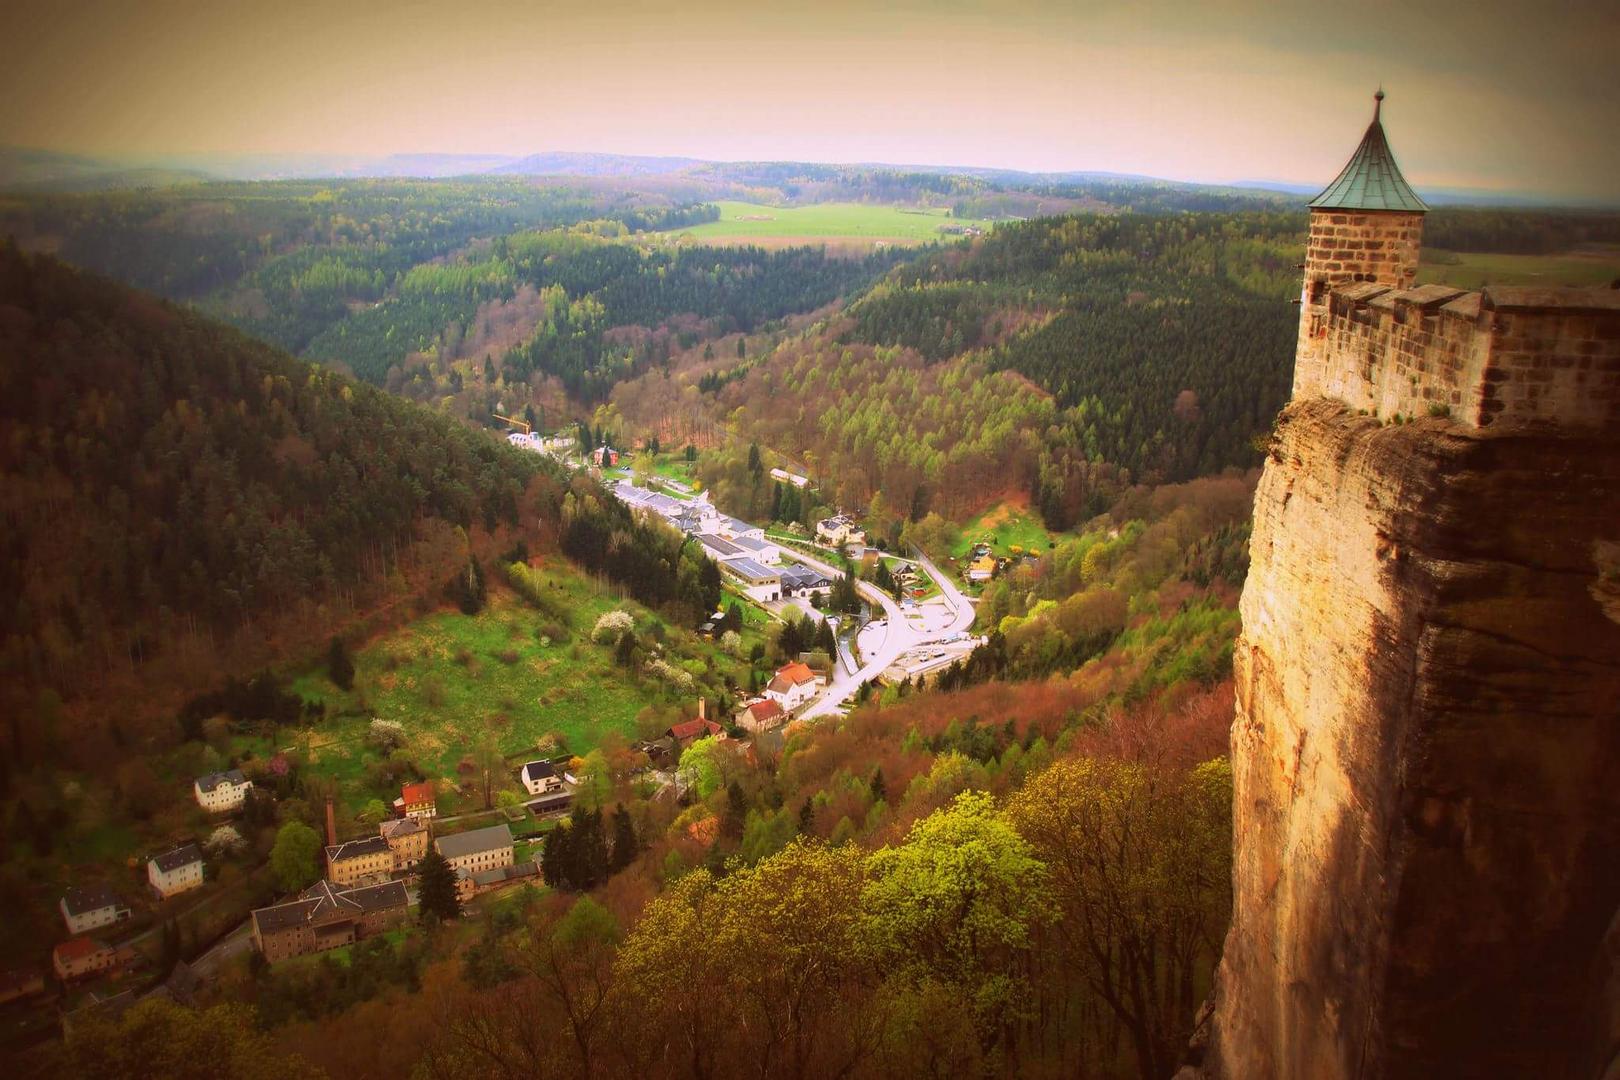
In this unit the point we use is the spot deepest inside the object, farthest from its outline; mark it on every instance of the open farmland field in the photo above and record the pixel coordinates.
(1472, 270)
(843, 223)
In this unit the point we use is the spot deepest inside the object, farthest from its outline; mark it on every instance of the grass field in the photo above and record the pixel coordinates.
(1004, 527)
(742, 223)
(1472, 270)
(447, 678)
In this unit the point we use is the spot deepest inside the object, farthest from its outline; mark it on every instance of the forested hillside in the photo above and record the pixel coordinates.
(286, 260)
(1063, 359)
(180, 498)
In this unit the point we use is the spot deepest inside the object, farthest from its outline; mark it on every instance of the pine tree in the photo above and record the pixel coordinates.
(436, 891)
(880, 787)
(339, 665)
(807, 818)
(742, 346)
(626, 846)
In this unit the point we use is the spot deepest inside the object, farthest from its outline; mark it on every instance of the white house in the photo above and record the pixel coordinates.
(792, 686)
(176, 871)
(477, 850)
(85, 908)
(841, 529)
(539, 777)
(759, 583)
(221, 791)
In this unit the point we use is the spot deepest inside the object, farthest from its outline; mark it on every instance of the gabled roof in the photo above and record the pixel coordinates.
(795, 674)
(184, 855)
(80, 899)
(397, 827)
(722, 547)
(323, 898)
(691, 729)
(475, 840)
(355, 849)
(539, 770)
(749, 570)
(233, 777)
(1371, 180)
(417, 793)
(79, 948)
(763, 711)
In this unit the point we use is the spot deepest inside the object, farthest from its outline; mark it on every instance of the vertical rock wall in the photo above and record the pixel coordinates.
(1426, 754)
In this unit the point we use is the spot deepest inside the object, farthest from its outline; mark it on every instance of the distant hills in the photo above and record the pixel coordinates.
(30, 170)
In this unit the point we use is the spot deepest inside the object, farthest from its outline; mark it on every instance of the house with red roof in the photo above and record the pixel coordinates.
(417, 801)
(793, 685)
(761, 715)
(79, 957)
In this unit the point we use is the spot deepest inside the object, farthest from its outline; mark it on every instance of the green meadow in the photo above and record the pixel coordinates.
(522, 675)
(1473, 270)
(1004, 527)
(741, 222)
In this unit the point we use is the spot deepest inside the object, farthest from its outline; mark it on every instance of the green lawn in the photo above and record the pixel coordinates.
(1472, 270)
(1004, 527)
(741, 221)
(448, 677)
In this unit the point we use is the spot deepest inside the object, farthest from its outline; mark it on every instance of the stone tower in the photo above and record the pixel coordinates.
(1426, 752)
(1366, 226)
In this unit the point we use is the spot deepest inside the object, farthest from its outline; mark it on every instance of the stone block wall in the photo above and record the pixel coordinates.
(1504, 357)
(1349, 248)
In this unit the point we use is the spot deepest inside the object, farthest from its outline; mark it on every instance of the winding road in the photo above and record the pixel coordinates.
(898, 637)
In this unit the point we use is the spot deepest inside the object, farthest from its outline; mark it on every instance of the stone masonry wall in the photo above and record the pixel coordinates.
(1504, 357)
(1349, 248)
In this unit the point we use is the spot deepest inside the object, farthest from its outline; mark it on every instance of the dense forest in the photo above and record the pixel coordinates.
(1061, 360)
(171, 487)
(575, 297)
(288, 260)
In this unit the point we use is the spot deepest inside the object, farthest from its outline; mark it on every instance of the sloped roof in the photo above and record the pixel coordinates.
(417, 793)
(398, 827)
(692, 728)
(79, 948)
(184, 855)
(232, 777)
(80, 899)
(749, 570)
(765, 710)
(355, 849)
(1371, 180)
(323, 898)
(796, 673)
(474, 841)
(538, 770)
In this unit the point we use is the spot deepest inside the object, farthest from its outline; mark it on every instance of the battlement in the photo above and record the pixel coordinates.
(1504, 357)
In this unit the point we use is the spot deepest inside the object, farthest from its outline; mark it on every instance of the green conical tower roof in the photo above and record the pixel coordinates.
(1371, 180)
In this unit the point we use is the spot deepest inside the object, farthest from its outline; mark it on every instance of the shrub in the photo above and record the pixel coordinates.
(386, 734)
(661, 669)
(611, 626)
(507, 656)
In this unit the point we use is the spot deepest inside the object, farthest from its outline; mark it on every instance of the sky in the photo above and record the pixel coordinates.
(1519, 96)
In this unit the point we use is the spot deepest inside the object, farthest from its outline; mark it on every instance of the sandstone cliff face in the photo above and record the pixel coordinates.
(1426, 755)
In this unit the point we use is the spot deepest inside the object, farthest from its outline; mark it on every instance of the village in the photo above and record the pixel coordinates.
(369, 883)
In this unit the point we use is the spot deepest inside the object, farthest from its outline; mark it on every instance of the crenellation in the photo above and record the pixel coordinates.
(1543, 357)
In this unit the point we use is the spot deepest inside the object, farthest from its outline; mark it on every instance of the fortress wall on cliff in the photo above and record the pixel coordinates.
(1502, 357)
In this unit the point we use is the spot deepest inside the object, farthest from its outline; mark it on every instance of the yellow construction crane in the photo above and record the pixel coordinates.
(524, 424)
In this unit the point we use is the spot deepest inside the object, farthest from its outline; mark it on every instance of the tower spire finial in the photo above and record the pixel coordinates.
(1378, 103)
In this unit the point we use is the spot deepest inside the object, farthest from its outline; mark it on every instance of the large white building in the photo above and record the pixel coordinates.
(540, 777)
(222, 791)
(86, 908)
(176, 871)
(792, 686)
(759, 583)
(477, 850)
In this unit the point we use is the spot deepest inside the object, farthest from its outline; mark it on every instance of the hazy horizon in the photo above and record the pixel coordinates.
(1488, 97)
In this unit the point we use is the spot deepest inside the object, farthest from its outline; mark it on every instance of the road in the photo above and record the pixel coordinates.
(898, 636)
